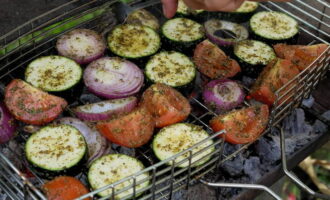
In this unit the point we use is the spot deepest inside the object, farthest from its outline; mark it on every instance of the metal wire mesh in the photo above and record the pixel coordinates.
(37, 37)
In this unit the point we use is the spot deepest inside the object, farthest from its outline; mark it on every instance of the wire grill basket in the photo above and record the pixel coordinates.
(38, 36)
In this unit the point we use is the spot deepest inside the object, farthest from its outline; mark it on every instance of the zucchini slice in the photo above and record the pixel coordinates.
(274, 26)
(133, 41)
(171, 68)
(178, 137)
(113, 167)
(182, 33)
(56, 148)
(143, 17)
(53, 73)
(253, 55)
(241, 14)
(183, 10)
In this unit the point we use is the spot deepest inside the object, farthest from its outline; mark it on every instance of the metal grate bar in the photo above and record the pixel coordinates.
(312, 8)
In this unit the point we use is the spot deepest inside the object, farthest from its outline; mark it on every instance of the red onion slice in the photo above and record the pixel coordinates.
(213, 25)
(105, 109)
(7, 124)
(81, 45)
(113, 77)
(97, 144)
(223, 94)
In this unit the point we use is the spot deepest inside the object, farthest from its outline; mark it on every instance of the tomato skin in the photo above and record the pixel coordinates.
(213, 62)
(166, 105)
(301, 55)
(242, 126)
(275, 75)
(64, 188)
(130, 130)
(32, 105)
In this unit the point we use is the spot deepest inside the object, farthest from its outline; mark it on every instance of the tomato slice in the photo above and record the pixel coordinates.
(213, 62)
(166, 105)
(64, 188)
(131, 130)
(32, 105)
(242, 126)
(301, 55)
(275, 75)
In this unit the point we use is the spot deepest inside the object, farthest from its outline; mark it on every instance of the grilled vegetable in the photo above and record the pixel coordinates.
(105, 109)
(213, 62)
(182, 34)
(32, 105)
(242, 126)
(133, 41)
(171, 68)
(112, 78)
(184, 11)
(253, 56)
(241, 14)
(53, 73)
(179, 137)
(274, 26)
(275, 75)
(64, 188)
(56, 150)
(223, 94)
(96, 143)
(81, 45)
(300, 55)
(112, 168)
(143, 17)
(7, 124)
(213, 26)
(131, 130)
(166, 105)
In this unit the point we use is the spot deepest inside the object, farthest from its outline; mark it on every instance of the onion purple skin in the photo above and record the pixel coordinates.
(217, 104)
(96, 143)
(219, 42)
(124, 105)
(64, 47)
(119, 90)
(8, 124)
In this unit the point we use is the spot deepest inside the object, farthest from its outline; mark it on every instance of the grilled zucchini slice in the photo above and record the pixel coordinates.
(113, 167)
(133, 41)
(178, 137)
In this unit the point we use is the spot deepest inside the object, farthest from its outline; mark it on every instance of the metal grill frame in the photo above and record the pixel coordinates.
(33, 39)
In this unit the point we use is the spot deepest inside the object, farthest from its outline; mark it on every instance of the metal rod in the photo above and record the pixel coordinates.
(291, 175)
(247, 186)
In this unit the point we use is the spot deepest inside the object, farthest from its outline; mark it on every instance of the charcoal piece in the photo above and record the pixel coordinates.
(230, 148)
(247, 81)
(201, 191)
(319, 127)
(252, 168)
(326, 115)
(123, 150)
(308, 102)
(235, 166)
(89, 98)
(295, 123)
(268, 150)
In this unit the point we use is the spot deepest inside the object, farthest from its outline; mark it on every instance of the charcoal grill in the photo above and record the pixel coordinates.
(38, 37)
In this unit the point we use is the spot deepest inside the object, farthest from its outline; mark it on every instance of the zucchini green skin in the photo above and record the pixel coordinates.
(241, 14)
(190, 128)
(236, 16)
(179, 45)
(90, 176)
(271, 40)
(72, 171)
(251, 69)
(185, 87)
(48, 173)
